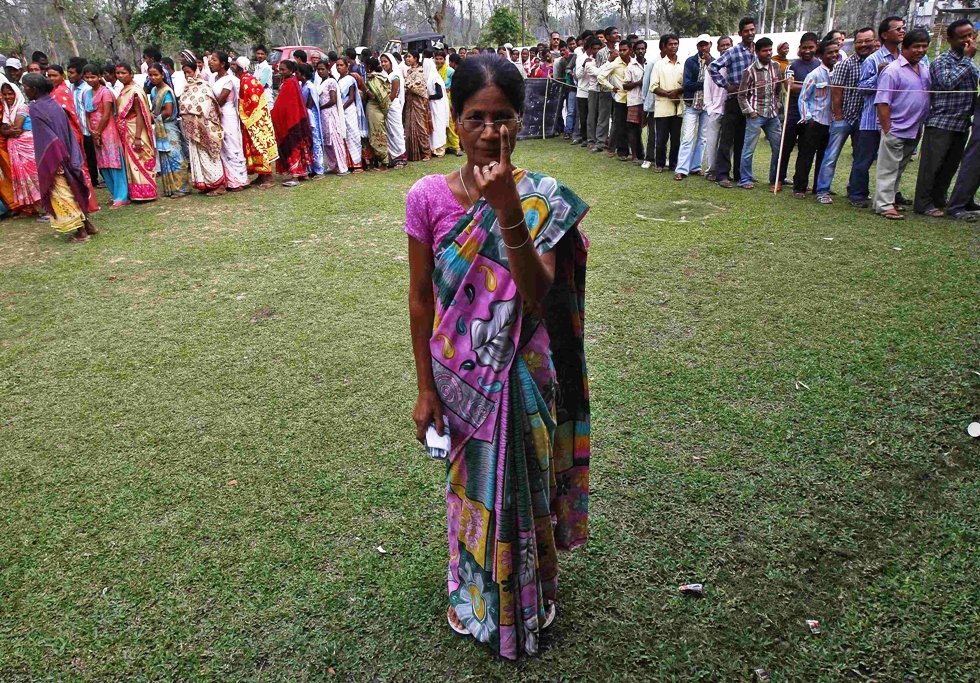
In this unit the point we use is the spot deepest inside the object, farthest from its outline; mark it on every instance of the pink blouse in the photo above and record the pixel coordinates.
(431, 210)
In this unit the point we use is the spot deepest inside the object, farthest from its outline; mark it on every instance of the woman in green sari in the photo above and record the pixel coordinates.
(166, 130)
(497, 285)
(378, 103)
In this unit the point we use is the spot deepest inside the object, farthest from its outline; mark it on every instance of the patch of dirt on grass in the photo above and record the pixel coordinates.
(27, 242)
(264, 313)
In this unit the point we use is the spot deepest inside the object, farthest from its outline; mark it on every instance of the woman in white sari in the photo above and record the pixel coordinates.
(438, 106)
(332, 122)
(351, 103)
(393, 121)
(225, 87)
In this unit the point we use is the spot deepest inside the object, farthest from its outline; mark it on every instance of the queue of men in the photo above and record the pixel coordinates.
(886, 97)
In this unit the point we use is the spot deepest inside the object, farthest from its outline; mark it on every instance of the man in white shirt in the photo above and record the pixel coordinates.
(714, 104)
(263, 73)
(581, 136)
(588, 74)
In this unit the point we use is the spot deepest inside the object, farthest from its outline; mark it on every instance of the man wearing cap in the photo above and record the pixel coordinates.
(695, 121)
(14, 69)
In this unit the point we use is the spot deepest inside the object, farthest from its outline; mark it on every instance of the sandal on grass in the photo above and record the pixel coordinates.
(549, 616)
(892, 215)
(825, 199)
(290, 183)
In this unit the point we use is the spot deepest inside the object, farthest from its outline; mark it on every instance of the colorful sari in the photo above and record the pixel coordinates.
(514, 389)
(377, 109)
(60, 165)
(108, 155)
(173, 166)
(293, 133)
(351, 96)
(311, 102)
(21, 150)
(6, 179)
(203, 132)
(64, 97)
(140, 164)
(418, 119)
(258, 135)
(333, 123)
(452, 140)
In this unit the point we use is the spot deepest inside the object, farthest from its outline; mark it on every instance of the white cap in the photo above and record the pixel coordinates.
(243, 62)
(703, 38)
(14, 63)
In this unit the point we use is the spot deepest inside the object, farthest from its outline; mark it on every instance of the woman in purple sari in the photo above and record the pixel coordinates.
(497, 279)
(60, 162)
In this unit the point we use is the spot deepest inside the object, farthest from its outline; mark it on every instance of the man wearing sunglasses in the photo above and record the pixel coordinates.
(891, 31)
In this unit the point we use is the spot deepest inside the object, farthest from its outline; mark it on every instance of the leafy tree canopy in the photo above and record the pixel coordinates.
(198, 25)
(692, 17)
(503, 26)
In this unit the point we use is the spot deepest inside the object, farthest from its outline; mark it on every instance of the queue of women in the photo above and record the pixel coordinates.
(147, 140)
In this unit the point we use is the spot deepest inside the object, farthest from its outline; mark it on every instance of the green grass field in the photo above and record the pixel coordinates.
(205, 434)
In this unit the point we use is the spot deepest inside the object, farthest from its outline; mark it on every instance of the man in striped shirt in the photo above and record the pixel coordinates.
(760, 100)
(726, 71)
(891, 31)
(814, 116)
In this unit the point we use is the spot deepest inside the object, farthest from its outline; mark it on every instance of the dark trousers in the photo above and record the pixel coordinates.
(651, 152)
(90, 160)
(731, 142)
(865, 150)
(634, 136)
(813, 143)
(668, 130)
(968, 180)
(582, 112)
(619, 141)
(792, 138)
(941, 153)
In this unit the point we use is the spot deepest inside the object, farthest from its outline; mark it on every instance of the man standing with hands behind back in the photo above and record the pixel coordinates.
(948, 125)
(735, 61)
(666, 82)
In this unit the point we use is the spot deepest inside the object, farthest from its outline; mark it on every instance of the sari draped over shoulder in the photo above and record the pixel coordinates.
(132, 105)
(418, 118)
(292, 125)
(258, 135)
(377, 109)
(201, 120)
(334, 126)
(514, 387)
(21, 152)
(166, 130)
(311, 102)
(59, 159)
(63, 96)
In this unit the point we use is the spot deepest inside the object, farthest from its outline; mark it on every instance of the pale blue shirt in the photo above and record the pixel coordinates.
(80, 93)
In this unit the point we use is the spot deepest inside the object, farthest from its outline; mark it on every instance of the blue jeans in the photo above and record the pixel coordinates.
(753, 128)
(570, 112)
(865, 151)
(839, 130)
(693, 131)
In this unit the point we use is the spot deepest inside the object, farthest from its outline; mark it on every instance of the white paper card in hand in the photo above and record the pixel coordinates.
(437, 444)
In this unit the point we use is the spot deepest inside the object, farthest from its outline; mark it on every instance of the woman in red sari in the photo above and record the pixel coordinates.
(258, 135)
(294, 137)
(62, 95)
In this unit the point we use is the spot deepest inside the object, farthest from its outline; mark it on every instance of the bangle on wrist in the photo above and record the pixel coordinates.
(521, 244)
(517, 225)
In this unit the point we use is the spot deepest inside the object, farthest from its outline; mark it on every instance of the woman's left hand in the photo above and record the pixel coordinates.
(496, 180)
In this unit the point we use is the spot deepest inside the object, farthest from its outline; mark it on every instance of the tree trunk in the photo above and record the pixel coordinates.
(59, 7)
(581, 10)
(338, 7)
(438, 18)
(785, 15)
(368, 26)
(543, 16)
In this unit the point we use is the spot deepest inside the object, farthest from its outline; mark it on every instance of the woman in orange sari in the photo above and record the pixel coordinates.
(135, 123)
(258, 135)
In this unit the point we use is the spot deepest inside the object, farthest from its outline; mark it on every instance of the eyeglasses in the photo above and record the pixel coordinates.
(477, 125)
(900, 29)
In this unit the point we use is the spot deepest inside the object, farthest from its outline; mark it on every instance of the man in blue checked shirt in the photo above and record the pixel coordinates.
(948, 125)
(891, 31)
(815, 114)
(734, 63)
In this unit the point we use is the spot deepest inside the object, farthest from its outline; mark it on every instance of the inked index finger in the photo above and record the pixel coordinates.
(504, 146)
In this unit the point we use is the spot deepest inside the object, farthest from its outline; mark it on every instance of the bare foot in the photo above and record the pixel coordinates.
(454, 619)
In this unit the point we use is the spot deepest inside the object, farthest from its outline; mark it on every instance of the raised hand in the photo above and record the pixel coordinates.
(496, 179)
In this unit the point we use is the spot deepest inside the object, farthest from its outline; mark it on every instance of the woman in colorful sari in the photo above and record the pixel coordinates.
(438, 108)
(225, 87)
(393, 121)
(105, 136)
(496, 297)
(294, 136)
(173, 166)
(418, 119)
(134, 121)
(16, 129)
(378, 103)
(258, 135)
(350, 99)
(63, 95)
(304, 74)
(202, 128)
(333, 123)
(59, 160)
(446, 74)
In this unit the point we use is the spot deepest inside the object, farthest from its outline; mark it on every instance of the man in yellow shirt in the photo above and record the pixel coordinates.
(611, 76)
(666, 83)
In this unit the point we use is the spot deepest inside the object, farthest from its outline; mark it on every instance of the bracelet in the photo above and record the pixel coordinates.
(513, 226)
(522, 243)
